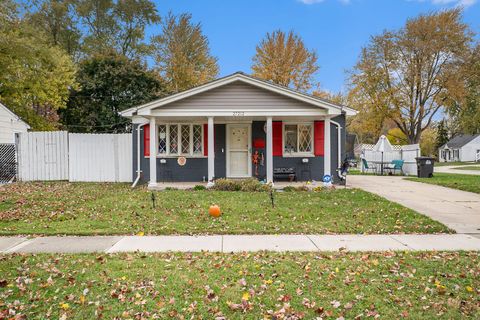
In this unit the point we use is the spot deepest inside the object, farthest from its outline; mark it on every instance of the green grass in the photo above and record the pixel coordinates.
(455, 163)
(468, 168)
(101, 208)
(422, 285)
(465, 182)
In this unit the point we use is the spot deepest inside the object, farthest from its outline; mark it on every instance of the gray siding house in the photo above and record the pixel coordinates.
(463, 147)
(237, 127)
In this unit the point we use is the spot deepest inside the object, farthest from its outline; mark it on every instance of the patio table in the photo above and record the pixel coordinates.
(382, 164)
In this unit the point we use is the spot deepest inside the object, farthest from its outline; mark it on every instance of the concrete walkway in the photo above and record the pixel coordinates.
(451, 169)
(459, 210)
(240, 243)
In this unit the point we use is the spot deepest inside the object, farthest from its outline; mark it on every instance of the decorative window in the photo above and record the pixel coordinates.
(162, 139)
(180, 139)
(298, 139)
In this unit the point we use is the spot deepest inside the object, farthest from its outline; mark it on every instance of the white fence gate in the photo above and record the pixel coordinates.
(100, 157)
(59, 155)
(43, 156)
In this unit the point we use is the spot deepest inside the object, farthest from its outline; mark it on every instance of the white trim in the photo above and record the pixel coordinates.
(269, 149)
(249, 149)
(327, 157)
(332, 108)
(246, 113)
(312, 141)
(153, 150)
(211, 149)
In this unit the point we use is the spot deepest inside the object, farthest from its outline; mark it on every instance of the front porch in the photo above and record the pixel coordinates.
(202, 149)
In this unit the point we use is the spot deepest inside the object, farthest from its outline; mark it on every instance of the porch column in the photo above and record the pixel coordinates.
(211, 151)
(153, 152)
(269, 150)
(327, 152)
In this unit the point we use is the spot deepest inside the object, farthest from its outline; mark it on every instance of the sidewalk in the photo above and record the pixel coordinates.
(239, 243)
(451, 169)
(458, 210)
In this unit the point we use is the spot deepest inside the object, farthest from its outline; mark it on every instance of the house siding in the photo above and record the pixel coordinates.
(196, 169)
(9, 125)
(237, 96)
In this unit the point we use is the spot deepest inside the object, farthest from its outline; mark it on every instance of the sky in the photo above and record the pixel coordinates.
(335, 29)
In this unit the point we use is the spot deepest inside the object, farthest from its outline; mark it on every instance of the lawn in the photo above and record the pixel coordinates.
(101, 208)
(465, 182)
(264, 285)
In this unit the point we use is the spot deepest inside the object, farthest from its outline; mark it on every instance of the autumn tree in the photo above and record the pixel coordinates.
(466, 111)
(284, 59)
(182, 53)
(35, 76)
(409, 74)
(108, 84)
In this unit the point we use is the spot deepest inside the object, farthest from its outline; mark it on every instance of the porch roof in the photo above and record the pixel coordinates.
(326, 107)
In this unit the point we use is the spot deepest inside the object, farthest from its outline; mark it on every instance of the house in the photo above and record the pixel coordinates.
(10, 124)
(463, 147)
(237, 126)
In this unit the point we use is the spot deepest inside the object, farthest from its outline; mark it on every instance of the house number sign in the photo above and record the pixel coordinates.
(238, 114)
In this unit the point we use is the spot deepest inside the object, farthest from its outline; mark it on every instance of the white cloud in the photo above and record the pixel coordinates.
(456, 3)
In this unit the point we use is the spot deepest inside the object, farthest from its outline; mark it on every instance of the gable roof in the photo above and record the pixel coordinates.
(460, 140)
(13, 115)
(242, 77)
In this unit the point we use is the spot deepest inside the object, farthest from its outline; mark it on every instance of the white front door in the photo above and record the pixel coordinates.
(238, 150)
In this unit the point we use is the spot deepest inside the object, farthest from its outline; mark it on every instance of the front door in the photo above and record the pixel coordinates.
(238, 151)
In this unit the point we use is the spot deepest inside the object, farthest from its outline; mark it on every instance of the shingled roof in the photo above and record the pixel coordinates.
(460, 140)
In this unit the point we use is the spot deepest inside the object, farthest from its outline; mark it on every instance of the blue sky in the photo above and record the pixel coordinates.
(336, 29)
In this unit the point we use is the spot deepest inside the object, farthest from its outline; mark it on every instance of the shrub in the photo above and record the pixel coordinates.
(289, 189)
(249, 185)
(199, 187)
(302, 188)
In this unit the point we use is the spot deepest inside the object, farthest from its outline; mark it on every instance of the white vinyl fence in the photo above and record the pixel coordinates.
(408, 153)
(100, 157)
(60, 155)
(43, 156)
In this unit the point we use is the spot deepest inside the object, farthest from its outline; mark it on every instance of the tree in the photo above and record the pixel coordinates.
(466, 112)
(182, 53)
(56, 18)
(35, 77)
(284, 59)
(410, 74)
(442, 134)
(109, 84)
(428, 142)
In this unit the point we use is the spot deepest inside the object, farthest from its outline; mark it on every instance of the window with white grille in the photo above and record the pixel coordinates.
(180, 139)
(298, 139)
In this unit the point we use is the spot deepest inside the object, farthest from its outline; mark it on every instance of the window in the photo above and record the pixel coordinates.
(180, 139)
(298, 139)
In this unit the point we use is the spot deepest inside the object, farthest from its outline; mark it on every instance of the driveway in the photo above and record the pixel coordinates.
(459, 210)
(451, 169)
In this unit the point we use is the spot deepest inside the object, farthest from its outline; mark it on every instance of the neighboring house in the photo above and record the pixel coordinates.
(237, 127)
(464, 147)
(10, 124)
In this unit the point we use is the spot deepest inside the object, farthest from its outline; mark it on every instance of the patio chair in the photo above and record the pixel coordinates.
(367, 167)
(396, 165)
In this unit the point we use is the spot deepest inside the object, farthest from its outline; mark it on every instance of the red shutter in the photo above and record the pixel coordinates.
(319, 138)
(277, 138)
(205, 139)
(146, 140)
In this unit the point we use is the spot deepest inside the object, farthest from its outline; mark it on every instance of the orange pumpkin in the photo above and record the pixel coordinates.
(214, 211)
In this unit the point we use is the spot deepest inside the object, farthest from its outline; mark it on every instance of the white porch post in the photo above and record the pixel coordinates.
(153, 152)
(211, 151)
(328, 155)
(269, 150)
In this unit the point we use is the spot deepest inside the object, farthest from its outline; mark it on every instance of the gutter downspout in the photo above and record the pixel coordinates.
(339, 128)
(139, 171)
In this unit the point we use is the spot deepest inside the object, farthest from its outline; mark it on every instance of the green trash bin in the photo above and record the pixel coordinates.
(425, 167)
